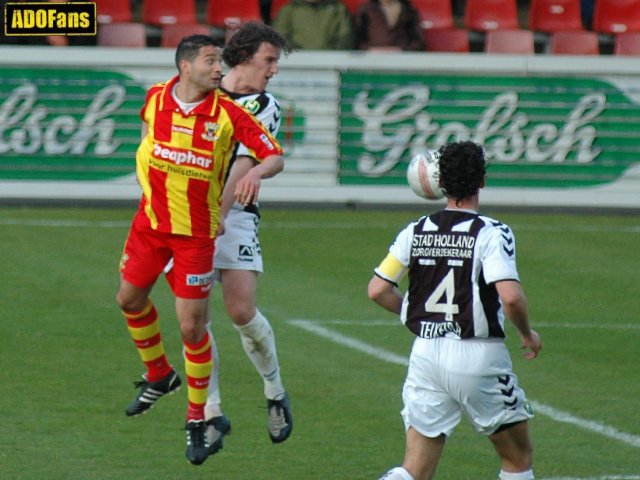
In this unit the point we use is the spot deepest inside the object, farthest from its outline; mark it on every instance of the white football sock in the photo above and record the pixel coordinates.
(212, 407)
(528, 475)
(259, 343)
(397, 473)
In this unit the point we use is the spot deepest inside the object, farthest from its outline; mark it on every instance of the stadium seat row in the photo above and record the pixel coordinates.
(609, 17)
(517, 41)
(172, 12)
(556, 23)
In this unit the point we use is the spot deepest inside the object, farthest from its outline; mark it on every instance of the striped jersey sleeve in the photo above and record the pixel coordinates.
(182, 163)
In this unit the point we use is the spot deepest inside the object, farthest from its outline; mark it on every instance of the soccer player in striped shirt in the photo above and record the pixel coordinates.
(463, 283)
(190, 130)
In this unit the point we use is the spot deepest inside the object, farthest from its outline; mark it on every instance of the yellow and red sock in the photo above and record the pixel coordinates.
(198, 363)
(144, 328)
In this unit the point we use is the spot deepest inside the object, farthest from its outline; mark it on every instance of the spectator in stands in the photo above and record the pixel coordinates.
(316, 25)
(265, 11)
(587, 8)
(388, 24)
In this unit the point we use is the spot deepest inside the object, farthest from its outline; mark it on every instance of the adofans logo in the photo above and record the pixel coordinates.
(50, 18)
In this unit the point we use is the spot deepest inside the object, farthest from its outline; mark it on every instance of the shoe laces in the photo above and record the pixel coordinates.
(140, 384)
(277, 420)
(196, 433)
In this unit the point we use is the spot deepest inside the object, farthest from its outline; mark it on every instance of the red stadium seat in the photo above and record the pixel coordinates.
(122, 35)
(446, 40)
(353, 5)
(434, 13)
(276, 5)
(486, 15)
(168, 12)
(218, 11)
(172, 34)
(114, 11)
(555, 15)
(616, 16)
(627, 43)
(519, 42)
(575, 42)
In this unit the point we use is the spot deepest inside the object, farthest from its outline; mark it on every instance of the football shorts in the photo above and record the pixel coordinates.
(239, 247)
(448, 378)
(147, 252)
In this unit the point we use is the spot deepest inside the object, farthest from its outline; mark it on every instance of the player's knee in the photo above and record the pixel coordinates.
(192, 333)
(130, 304)
(241, 314)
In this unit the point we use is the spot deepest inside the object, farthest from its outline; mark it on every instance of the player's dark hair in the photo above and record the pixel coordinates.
(247, 40)
(462, 169)
(189, 47)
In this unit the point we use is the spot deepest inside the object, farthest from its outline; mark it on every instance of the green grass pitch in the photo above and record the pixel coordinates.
(67, 362)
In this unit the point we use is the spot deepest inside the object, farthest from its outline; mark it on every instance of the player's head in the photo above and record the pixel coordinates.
(247, 40)
(189, 47)
(199, 63)
(462, 169)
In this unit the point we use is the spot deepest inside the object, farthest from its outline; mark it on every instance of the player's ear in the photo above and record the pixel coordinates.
(184, 65)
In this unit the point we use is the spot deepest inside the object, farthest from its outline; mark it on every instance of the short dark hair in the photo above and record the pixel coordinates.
(462, 169)
(189, 47)
(247, 40)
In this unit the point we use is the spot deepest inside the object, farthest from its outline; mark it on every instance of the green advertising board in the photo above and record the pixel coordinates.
(68, 124)
(81, 124)
(537, 131)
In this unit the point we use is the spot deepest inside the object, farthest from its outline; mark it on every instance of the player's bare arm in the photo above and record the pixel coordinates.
(385, 294)
(248, 187)
(515, 307)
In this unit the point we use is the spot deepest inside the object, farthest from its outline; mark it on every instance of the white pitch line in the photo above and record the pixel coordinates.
(574, 326)
(596, 427)
(356, 344)
(381, 354)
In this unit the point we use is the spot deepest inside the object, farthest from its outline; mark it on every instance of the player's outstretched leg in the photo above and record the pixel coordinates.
(259, 344)
(160, 378)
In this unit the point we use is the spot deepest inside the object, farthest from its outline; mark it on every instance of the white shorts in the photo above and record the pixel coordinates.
(448, 377)
(239, 247)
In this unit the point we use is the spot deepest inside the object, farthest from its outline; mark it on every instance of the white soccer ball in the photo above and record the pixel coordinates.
(423, 175)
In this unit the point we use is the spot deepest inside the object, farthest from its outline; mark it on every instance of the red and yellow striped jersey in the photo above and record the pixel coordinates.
(181, 164)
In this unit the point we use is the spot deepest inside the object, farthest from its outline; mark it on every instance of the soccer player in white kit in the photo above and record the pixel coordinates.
(463, 283)
(252, 55)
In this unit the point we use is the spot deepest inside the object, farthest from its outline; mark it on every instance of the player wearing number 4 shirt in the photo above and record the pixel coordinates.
(463, 283)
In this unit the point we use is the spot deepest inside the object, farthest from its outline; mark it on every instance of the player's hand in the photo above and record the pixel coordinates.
(248, 188)
(531, 345)
(220, 230)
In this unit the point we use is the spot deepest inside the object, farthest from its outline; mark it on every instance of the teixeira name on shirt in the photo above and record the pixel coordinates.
(35, 18)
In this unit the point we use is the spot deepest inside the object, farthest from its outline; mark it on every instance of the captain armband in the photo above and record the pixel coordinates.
(391, 269)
